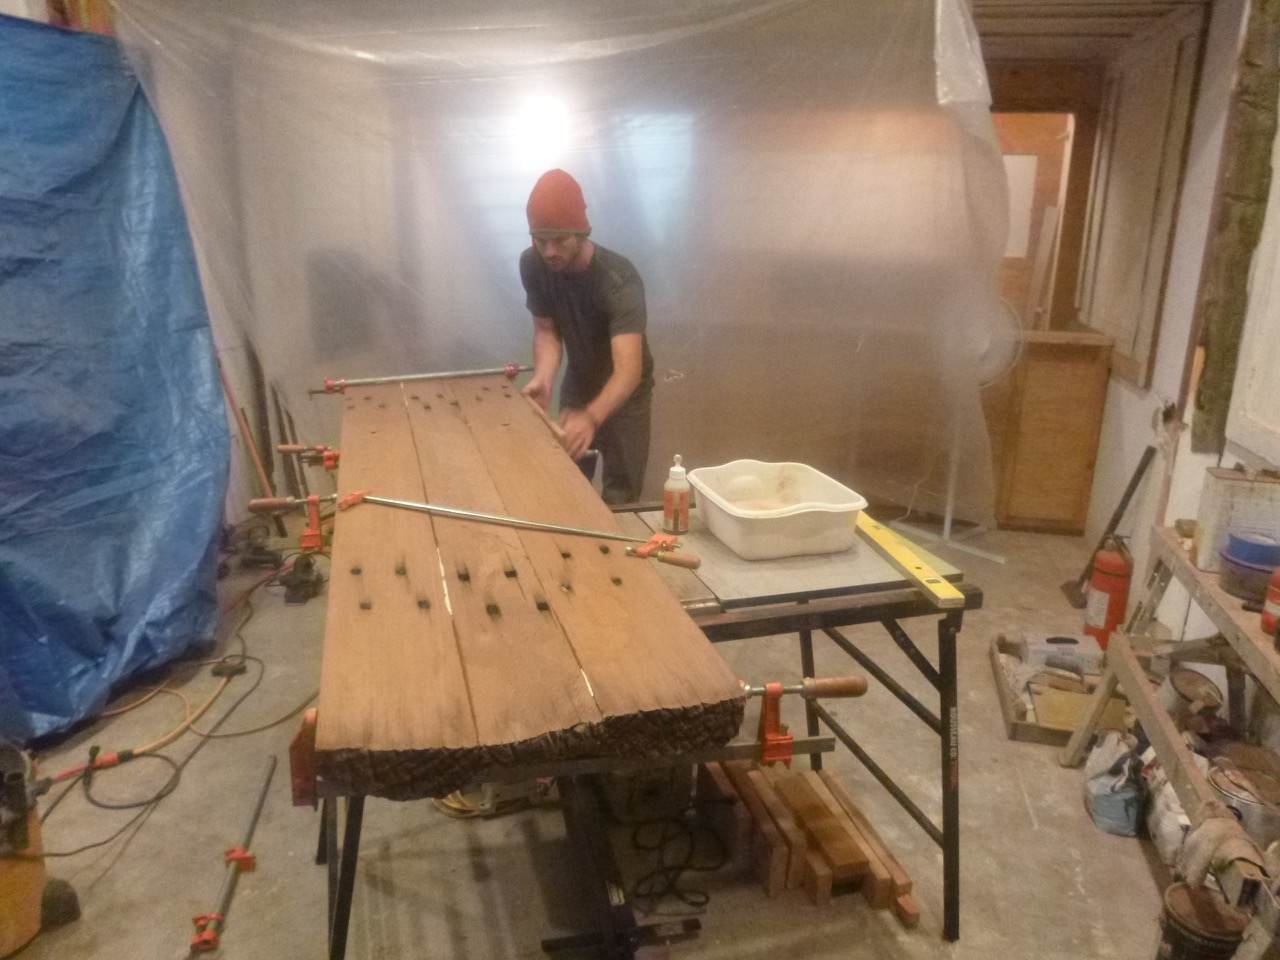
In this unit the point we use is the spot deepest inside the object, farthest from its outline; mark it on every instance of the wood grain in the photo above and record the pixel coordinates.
(453, 646)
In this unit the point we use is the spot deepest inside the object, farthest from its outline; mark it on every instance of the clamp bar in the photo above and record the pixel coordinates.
(340, 386)
(660, 546)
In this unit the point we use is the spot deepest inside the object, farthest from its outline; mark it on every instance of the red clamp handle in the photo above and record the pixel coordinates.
(659, 543)
(509, 370)
(242, 858)
(351, 499)
(335, 386)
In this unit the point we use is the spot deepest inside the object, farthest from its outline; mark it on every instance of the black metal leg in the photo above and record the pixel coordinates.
(330, 858)
(810, 714)
(948, 628)
(346, 880)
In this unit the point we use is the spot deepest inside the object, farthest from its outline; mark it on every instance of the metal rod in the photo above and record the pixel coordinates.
(890, 684)
(501, 520)
(876, 771)
(948, 627)
(233, 867)
(905, 644)
(333, 386)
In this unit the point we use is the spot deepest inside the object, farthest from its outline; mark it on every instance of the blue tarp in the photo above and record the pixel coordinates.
(113, 437)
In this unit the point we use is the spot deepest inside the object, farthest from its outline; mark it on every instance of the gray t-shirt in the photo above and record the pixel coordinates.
(588, 309)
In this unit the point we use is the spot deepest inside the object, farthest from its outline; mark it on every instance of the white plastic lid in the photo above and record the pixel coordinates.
(677, 471)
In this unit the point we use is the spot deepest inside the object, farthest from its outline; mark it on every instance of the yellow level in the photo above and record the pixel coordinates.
(897, 551)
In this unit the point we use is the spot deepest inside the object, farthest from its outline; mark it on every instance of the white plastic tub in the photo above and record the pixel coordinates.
(761, 511)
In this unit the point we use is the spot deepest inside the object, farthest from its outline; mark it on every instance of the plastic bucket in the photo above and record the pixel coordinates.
(1199, 924)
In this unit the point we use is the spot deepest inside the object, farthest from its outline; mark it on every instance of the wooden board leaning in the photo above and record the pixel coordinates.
(453, 647)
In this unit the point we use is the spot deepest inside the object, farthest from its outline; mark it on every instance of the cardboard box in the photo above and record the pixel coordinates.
(1232, 501)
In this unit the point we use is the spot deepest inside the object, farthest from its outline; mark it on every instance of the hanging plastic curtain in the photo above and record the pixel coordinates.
(810, 189)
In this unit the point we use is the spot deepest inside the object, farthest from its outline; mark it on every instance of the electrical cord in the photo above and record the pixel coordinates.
(681, 846)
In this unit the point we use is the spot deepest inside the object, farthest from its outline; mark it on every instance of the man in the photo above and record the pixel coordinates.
(588, 302)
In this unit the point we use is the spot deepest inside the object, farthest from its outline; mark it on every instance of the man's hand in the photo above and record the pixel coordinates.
(579, 430)
(539, 391)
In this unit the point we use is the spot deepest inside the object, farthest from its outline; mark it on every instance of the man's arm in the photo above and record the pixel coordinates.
(580, 425)
(547, 350)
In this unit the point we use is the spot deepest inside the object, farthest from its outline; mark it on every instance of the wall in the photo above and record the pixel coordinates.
(29, 9)
(1133, 418)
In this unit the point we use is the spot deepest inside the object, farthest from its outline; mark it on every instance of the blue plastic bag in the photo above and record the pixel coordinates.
(113, 437)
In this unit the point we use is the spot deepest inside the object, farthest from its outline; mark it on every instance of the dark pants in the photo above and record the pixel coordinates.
(623, 442)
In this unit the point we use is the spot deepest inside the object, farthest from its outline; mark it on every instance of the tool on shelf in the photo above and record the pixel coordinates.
(660, 547)
(508, 370)
(238, 860)
(775, 739)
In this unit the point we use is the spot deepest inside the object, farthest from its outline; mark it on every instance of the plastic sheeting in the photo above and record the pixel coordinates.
(113, 438)
(811, 190)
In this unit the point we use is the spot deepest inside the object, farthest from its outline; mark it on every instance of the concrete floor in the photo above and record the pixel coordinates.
(1038, 880)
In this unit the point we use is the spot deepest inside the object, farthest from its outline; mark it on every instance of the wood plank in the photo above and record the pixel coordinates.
(518, 691)
(901, 882)
(378, 636)
(817, 878)
(877, 885)
(797, 848)
(828, 834)
(769, 851)
(459, 647)
(906, 910)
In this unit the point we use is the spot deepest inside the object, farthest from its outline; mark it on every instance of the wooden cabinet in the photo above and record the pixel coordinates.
(1044, 419)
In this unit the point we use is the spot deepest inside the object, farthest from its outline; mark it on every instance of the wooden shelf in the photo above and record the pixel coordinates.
(1242, 629)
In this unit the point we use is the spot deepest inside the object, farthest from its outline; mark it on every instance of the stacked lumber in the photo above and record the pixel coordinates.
(453, 649)
(792, 829)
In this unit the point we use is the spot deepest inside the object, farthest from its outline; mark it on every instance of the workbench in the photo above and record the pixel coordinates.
(398, 738)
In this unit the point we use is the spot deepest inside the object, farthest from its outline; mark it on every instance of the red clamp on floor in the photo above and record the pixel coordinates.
(206, 939)
(242, 858)
(658, 543)
(351, 499)
(775, 738)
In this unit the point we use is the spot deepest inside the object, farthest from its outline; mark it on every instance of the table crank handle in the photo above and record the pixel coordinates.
(850, 686)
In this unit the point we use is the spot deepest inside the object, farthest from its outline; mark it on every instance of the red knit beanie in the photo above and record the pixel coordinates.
(556, 205)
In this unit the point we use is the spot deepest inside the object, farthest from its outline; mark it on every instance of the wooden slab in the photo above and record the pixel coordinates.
(797, 848)
(842, 795)
(877, 885)
(829, 835)
(454, 647)
(768, 850)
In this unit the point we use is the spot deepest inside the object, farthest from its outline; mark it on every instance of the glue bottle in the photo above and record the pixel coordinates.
(675, 500)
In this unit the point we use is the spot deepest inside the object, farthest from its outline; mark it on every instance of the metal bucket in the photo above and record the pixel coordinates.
(1260, 819)
(1199, 924)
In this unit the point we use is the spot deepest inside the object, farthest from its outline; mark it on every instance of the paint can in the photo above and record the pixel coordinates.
(1198, 924)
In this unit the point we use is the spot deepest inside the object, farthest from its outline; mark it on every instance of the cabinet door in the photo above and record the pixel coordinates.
(1050, 432)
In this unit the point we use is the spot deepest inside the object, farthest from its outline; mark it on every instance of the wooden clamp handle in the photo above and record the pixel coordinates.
(689, 562)
(850, 686)
(556, 429)
(271, 504)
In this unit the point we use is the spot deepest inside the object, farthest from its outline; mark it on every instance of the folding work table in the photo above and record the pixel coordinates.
(732, 599)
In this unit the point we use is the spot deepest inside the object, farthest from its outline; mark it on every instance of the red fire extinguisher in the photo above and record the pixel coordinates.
(1108, 593)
